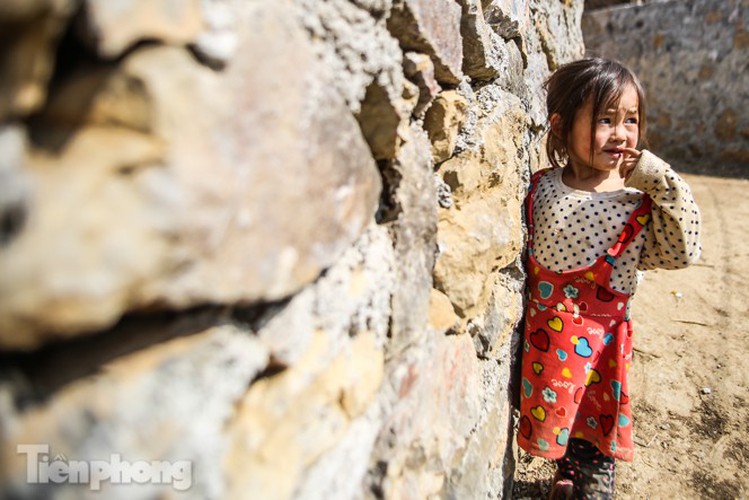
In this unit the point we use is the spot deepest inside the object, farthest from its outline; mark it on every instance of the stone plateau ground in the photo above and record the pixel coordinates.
(689, 378)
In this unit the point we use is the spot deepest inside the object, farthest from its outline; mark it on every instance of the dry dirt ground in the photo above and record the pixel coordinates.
(690, 375)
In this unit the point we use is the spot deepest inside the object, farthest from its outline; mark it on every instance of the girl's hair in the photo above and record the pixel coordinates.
(570, 86)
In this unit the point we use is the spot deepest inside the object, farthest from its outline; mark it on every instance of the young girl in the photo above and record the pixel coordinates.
(603, 214)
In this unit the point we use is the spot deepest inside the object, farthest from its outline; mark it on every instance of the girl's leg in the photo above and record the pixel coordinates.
(591, 471)
(561, 485)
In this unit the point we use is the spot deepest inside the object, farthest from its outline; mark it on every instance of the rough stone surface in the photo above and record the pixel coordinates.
(105, 227)
(688, 56)
(277, 241)
(285, 422)
(355, 46)
(431, 27)
(414, 234)
(419, 447)
(354, 295)
(219, 165)
(492, 330)
(482, 232)
(484, 469)
(380, 122)
(509, 18)
(419, 69)
(479, 54)
(554, 21)
(151, 389)
(443, 121)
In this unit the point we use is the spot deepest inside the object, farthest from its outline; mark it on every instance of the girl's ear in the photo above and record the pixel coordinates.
(556, 125)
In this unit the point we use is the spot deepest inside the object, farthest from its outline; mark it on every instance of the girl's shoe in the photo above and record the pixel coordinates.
(561, 488)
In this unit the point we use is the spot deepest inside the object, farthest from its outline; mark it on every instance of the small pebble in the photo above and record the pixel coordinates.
(706, 390)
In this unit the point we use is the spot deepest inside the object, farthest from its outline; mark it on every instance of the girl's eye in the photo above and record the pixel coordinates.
(604, 121)
(631, 120)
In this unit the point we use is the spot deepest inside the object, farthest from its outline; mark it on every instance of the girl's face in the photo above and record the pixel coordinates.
(616, 128)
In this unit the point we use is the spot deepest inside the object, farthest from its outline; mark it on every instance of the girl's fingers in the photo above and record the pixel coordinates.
(632, 152)
(631, 156)
(627, 166)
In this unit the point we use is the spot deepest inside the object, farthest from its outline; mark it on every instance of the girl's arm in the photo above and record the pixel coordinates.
(672, 239)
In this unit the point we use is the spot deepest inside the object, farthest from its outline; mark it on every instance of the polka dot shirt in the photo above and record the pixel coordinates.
(573, 228)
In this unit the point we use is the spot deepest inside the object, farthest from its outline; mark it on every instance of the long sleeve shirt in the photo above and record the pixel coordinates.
(573, 227)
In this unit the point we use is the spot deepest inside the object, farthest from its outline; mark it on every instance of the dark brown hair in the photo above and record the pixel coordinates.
(570, 86)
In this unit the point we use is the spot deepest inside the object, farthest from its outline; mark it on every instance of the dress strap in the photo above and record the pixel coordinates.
(529, 204)
(637, 220)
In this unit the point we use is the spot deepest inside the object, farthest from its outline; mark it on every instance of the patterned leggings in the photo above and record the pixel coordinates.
(591, 472)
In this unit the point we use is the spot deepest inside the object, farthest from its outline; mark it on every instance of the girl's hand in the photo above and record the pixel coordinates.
(631, 157)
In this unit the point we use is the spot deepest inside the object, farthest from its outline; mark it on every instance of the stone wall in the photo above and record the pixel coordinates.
(692, 59)
(275, 240)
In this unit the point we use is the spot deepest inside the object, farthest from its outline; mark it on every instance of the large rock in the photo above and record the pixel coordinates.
(480, 60)
(438, 390)
(442, 123)
(431, 27)
(558, 26)
(353, 43)
(492, 330)
(483, 232)
(109, 221)
(486, 468)
(509, 19)
(295, 394)
(414, 235)
(320, 414)
(169, 401)
(285, 422)
(204, 208)
(353, 295)
(380, 120)
(419, 68)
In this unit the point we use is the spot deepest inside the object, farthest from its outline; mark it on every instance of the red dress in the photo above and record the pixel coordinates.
(577, 350)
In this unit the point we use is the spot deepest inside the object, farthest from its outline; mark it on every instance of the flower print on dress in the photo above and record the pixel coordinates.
(592, 422)
(571, 292)
(550, 396)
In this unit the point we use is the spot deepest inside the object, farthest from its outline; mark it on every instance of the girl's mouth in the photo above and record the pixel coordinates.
(614, 152)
